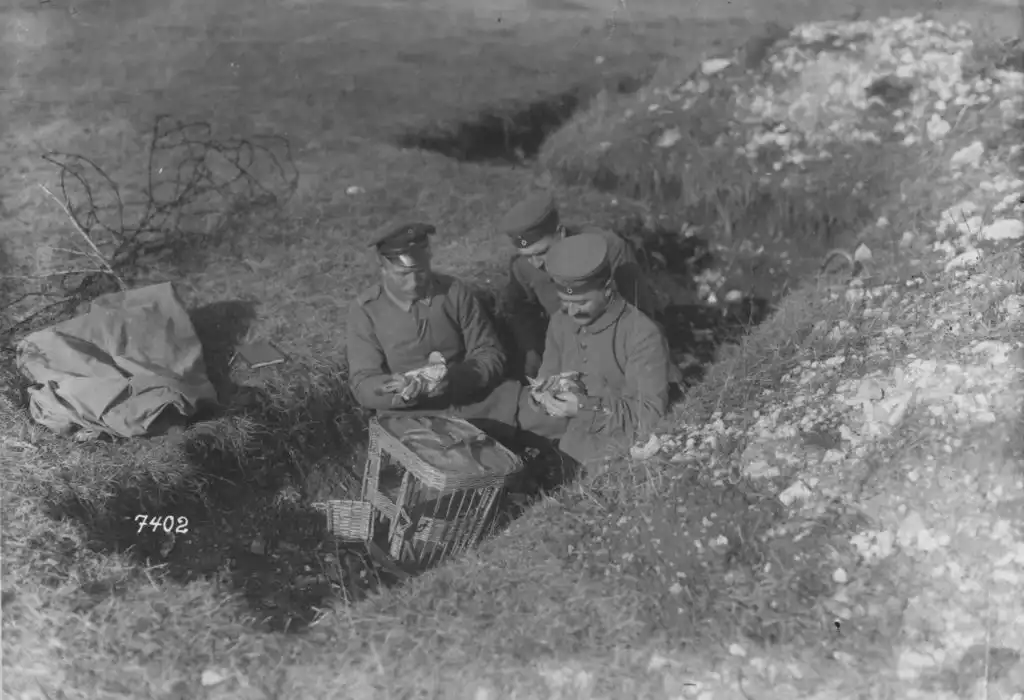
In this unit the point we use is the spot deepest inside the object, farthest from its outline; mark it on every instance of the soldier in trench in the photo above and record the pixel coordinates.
(531, 299)
(395, 326)
(620, 354)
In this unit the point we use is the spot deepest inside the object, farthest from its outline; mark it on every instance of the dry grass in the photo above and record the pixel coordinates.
(97, 623)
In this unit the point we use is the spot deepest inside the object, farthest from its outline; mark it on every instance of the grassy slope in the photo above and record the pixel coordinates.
(518, 588)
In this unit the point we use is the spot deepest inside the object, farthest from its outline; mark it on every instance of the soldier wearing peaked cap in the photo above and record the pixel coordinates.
(411, 313)
(531, 298)
(620, 352)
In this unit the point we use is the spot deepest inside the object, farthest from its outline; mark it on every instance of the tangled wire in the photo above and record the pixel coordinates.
(195, 185)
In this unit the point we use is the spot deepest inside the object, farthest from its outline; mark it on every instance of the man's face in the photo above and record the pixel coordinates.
(587, 307)
(408, 283)
(538, 252)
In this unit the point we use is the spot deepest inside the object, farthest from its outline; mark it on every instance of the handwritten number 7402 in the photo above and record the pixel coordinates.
(168, 523)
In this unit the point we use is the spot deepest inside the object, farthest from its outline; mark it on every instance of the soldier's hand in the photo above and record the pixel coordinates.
(394, 385)
(399, 401)
(564, 405)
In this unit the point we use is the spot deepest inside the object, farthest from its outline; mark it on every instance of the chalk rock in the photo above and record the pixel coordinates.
(714, 65)
(937, 128)
(798, 491)
(214, 676)
(646, 450)
(964, 260)
(968, 155)
(1003, 230)
(862, 254)
(669, 138)
(1013, 306)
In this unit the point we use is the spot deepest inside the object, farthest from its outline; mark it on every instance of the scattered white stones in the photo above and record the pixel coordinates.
(913, 533)
(874, 545)
(1003, 230)
(816, 98)
(829, 423)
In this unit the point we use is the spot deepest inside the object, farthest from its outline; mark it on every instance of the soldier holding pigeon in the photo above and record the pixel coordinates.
(605, 368)
(419, 340)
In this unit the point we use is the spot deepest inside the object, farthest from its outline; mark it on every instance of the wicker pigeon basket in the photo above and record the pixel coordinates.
(449, 475)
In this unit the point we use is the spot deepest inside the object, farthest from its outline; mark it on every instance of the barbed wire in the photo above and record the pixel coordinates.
(194, 185)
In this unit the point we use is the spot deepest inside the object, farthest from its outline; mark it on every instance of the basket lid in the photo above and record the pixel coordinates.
(451, 446)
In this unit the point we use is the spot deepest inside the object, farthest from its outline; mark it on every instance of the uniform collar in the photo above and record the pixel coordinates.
(611, 314)
(407, 305)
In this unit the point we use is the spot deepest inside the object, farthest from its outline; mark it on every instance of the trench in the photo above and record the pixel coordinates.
(514, 134)
(251, 523)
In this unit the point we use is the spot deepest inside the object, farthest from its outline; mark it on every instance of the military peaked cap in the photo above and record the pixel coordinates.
(531, 220)
(398, 239)
(579, 263)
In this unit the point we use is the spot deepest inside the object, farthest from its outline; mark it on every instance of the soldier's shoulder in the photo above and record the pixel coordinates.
(453, 289)
(369, 294)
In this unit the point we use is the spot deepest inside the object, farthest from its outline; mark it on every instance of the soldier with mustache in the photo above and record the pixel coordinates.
(620, 353)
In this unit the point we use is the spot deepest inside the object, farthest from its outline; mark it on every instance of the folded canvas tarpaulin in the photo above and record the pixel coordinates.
(119, 367)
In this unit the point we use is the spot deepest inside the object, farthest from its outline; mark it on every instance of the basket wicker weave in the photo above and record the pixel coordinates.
(450, 476)
(349, 521)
